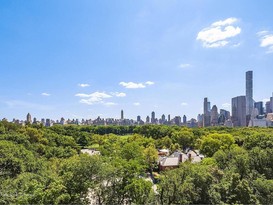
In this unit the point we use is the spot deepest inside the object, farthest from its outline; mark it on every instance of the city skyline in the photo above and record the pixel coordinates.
(89, 59)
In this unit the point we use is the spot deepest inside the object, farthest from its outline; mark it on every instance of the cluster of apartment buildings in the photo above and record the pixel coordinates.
(244, 112)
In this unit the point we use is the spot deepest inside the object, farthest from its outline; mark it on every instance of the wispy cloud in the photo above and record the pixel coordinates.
(266, 40)
(132, 85)
(45, 94)
(90, 99)
(117, 94)
(108, 104)
(136, 104)
(219, 33)
(184, 104)
(83, 85)
(99, 98)
(226, 105)
(185, 65)
(266, 100)
(149, 83)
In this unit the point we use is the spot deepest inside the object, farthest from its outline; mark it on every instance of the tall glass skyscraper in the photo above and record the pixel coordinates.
(238, 106)
(249, 92)
(206, 116)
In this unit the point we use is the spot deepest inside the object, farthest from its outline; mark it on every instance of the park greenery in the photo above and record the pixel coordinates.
(40, 165)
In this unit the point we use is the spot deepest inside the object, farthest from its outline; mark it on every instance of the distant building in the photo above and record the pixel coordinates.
(169, 118)
(184, 120)
(138, 118)
(271, 103)
(177, 120)
(249, 95)
(259, 107)
(200, 120)
(214, 116)
(147, 120)
(268, 107)
(121, 115)
(223, 116)
(206, 115)
(153, 121)
(48, 123)
(29, 118)
(238, 106)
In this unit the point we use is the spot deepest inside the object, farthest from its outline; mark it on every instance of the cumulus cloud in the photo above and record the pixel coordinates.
(90, 99)
(45, 94)
(184, 65)
(266, 40)
(266, 100)
(184, 104)
(117, 94)
(83, 85)
(226, 105)
(149, 83)
(99, 98)
(219, 33)
(108, 104)
(132, 85)
(136, 104)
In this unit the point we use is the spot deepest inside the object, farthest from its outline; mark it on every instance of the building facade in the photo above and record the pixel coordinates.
(206, 115)
(249, 92)
(238, 107)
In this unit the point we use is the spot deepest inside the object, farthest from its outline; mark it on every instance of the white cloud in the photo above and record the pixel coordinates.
(219, 33)
(226, 105)
(184, 104)
(98, 98)
(132, 85)
(45, 94)
(149, 83)
(228, 21)
(136, 104)
(266, 40)
(185, 65)
(265, 100)
(117, 94)
(108, 104)
(83, 85)
(90, 99)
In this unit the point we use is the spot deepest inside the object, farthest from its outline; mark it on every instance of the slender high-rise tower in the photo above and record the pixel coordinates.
(249, 92)
(214, 116)
(29, 118)
(238, 106)
(206, 116)
(121, 115)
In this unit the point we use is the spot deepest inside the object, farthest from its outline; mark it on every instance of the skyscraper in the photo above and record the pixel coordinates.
(184, 119)
(147, 119)
(206, 116)
(271, 103)
(121, 115)
(153, 117)
(259, 107)
(214, 116)
(267, 107)
(29, 118)
(249, 92)
(238, 106)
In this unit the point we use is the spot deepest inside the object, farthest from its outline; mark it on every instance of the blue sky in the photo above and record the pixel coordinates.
(81, 59)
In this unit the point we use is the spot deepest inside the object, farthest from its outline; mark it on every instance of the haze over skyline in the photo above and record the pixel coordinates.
(82, 59)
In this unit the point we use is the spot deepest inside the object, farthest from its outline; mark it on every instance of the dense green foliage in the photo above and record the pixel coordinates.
(41, 165)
